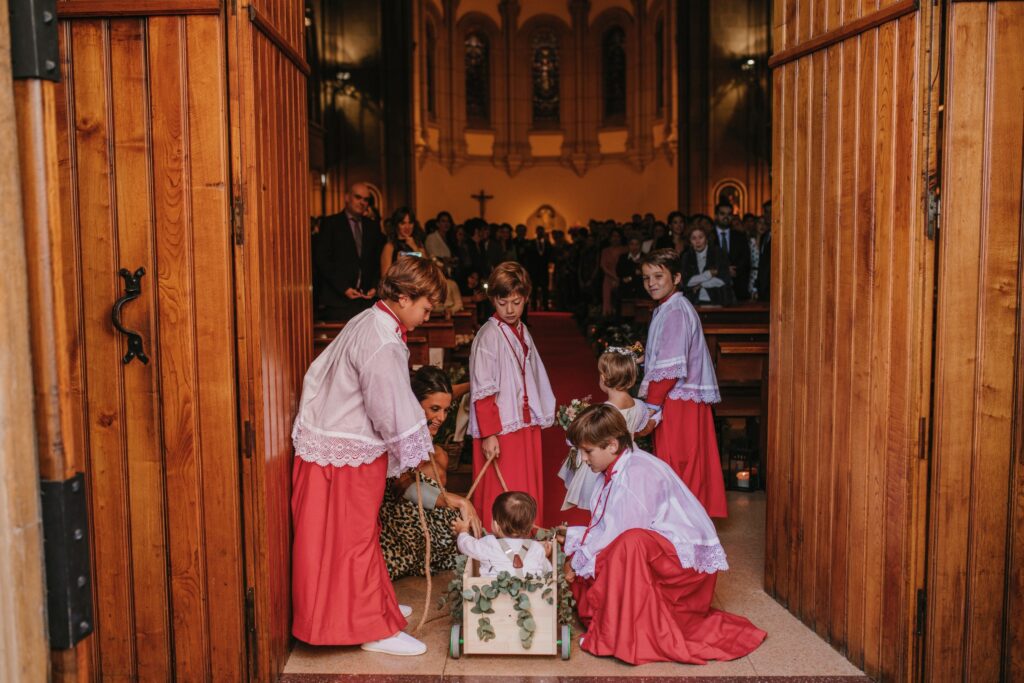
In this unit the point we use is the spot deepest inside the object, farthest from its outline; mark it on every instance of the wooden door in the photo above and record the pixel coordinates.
(851, 323)
(274, 301)
(975, 630)
(145, 183)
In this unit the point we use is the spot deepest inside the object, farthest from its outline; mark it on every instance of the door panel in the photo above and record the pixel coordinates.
(851, 325)
(145, 182)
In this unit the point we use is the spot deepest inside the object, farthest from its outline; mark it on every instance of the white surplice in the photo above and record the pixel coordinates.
(639, 491)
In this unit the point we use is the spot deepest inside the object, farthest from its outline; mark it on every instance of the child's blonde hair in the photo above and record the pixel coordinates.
(618, 369)
(515, 511)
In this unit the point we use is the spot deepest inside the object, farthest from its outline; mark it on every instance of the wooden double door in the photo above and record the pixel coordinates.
(180, 137)
(896, 493)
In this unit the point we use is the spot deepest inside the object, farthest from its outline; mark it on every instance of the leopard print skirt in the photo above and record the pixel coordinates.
(401, 537)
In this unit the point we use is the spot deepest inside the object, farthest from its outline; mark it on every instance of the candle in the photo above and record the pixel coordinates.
(743, 479)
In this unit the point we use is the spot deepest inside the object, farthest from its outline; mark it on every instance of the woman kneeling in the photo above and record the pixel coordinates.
(643, 572)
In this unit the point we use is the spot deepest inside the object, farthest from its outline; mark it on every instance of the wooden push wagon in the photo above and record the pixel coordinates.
(504, 634)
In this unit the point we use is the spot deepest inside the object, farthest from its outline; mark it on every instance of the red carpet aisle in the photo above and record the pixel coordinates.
(572, 368)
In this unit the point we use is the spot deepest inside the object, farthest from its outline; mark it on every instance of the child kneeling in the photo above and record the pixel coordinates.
(510, 548)
(644, 571)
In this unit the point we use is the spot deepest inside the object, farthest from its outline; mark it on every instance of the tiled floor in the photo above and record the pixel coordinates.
(791, 649)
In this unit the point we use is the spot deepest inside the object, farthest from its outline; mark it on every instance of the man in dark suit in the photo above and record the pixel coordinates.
(736, 246)
(764, 268)
(346, 258)
(537, 259)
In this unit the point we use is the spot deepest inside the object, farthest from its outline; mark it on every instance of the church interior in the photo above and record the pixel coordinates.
(203, 198)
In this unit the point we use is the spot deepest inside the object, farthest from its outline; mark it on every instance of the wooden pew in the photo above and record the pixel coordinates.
(325, 332)
(440, 333)
(465, 322)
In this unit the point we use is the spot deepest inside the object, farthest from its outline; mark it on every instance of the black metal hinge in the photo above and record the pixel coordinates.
(248, 439)
(250, 631)
(34, 50)
(66, 548)
(934, 213)
(922, 611)
(238, 217)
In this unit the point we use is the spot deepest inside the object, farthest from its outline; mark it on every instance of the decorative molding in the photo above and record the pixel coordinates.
(265, 26)
(108, 9)
(844, 32)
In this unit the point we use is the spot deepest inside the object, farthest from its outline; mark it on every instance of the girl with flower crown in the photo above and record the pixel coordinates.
(617, 373)
(679, 377)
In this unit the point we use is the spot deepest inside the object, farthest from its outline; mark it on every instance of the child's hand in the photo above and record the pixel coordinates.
(648, 428)
(490, 447)
(570, 575)
(460, 526)
(560, 534)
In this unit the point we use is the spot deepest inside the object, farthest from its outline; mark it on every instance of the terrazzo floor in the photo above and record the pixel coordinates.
(791, 652)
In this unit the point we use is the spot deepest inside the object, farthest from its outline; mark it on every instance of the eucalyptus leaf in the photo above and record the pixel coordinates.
(468, 595)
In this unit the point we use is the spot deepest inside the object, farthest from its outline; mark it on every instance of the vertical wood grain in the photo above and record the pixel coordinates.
(978, 340)
(845, 393)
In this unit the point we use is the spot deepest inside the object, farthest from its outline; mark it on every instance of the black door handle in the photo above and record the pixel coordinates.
(132, 290)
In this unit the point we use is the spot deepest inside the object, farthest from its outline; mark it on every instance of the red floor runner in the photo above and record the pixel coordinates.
(572, 369)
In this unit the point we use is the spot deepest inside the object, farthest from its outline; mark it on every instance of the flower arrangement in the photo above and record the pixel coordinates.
(567, 413)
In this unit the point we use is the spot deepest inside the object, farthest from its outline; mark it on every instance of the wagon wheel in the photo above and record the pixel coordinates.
(455, 647)
(565, 641)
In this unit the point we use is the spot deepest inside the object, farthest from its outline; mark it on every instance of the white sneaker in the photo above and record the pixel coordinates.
(401, 644)
(406, 610)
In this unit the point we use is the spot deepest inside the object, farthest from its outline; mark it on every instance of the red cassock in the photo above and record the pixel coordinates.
(641, 606)
(686, 440)
(341, 592)
(520, 461)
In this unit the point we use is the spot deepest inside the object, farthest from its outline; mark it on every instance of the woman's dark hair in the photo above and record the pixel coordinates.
(430, 380)
(397, 217)
(673, 214)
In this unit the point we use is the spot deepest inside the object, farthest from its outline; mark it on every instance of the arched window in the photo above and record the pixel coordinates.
(431, 61)
(613, 75)
(478, 79)
(545, 75)
(659, 66)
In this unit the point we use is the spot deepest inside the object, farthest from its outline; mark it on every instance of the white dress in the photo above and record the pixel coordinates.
(639, 491)
(581, 481)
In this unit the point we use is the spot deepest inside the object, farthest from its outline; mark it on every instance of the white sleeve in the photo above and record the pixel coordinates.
(475, 548)
(483, 367)
(393, 410)
(625, 511)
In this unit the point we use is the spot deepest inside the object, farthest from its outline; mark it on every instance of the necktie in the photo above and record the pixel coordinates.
(723, 237)
(357, 234)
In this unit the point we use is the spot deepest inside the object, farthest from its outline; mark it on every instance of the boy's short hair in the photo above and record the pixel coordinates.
(509, 278)
(599, 424)
(666, 258)
(414, 277)
(618, 369)
(515, 511)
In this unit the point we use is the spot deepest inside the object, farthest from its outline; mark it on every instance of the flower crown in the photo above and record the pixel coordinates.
(636, 350)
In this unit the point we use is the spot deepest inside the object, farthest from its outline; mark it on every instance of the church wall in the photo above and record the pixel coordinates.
(611, 190)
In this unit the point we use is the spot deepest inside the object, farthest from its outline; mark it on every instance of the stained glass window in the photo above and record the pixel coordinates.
(659, 66)
(431, 94)
(478, 79)
(613, 75)
(545, 76)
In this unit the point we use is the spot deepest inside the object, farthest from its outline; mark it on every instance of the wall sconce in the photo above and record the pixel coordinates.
(748, 64)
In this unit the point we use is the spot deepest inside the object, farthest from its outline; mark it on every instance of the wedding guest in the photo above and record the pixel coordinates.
(346, 258)
(644, 571)
(677, 230)
(511, 395)
(662, 238)
(609, 260)
(680, 377)
(736, 248)
(705, 272)
(763, 287)
(358, 423)
(628, 270)
(404, 238)
(537, 261)
(436, 243)
(401, 537)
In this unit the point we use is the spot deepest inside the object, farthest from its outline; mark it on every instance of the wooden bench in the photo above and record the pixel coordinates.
(440, 333)
(325, 332)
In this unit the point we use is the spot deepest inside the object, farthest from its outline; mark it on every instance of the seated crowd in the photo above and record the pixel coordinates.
(724, 259)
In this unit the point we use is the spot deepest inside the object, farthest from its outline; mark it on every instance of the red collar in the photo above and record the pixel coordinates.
(516, 330)
(665, 300)
(401, 329)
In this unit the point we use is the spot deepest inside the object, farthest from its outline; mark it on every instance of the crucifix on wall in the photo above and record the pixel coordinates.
(482, 197)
